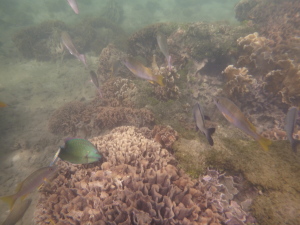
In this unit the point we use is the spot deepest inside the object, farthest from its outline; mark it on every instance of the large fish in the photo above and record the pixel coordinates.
(200, 123)
(163, 46)
(79, 151)
(17, 212)
(290, 122)
(95, 81)
(73, 5)
(234, 115)
(67, 41)
(139, 70)
(32, 182)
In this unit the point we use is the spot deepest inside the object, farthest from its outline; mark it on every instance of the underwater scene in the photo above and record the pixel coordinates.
(135, 112)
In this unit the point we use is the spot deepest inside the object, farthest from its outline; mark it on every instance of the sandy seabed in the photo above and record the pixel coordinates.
(34, 90)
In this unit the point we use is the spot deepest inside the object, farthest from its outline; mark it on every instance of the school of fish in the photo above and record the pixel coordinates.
(81, 151)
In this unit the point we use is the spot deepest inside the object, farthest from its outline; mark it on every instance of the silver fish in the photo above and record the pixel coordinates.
(17, 212)
(163, 46)
(200, 123)
(95, 81)
(290, 122)
(67, 41)
(73, 5)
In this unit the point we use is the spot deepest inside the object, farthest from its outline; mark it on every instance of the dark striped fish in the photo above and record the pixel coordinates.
(200, 123)
(289, 127)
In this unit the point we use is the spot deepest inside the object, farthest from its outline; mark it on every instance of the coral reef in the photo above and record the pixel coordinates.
(272, 56)
(239, 82)
(276, 20)
(270, 176)
(79, 119)
(110, 62)
(170, 90)
(110, 117)
(40, 42)
(138, 184)
(165, 135)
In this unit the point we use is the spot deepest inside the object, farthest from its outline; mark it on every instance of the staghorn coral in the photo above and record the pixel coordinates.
(138, 184)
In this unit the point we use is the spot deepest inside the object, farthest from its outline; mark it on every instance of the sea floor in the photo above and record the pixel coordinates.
(33, 91)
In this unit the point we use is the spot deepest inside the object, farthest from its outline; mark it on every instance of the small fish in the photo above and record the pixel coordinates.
(139, 70)
(79, 151)
(2, 104)
(32, 182)
(73, 5)
(67, 41)
(290, 122)
(95, 81)
(200, 124)
(17, 212)
(234, 115)
(163, 46)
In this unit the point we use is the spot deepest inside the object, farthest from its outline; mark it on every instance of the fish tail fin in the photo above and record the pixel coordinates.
(82, 58)
(160, 80)
(169, 62)
(210, 132)
(295, 144)
(10, 200)
(264, 143)
(100, 93)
